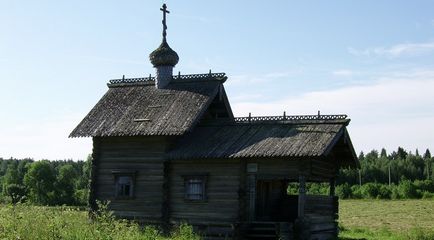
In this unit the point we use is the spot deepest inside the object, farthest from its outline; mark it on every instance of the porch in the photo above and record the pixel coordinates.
(273, 214)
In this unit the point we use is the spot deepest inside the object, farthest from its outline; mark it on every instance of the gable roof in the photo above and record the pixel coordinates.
(289, 139)
(134, 107)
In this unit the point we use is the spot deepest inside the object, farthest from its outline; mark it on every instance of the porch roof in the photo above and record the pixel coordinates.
(295, 139)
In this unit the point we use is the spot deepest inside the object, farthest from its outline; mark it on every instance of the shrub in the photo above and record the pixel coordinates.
(427, 195)
(343, 191)
(384, 192)
(356, 192)
(370, 190)
(407, 189)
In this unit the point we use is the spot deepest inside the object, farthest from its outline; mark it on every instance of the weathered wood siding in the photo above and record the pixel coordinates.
(324, 168)
(278, 168)
(322, 212)
(222, 191)
(144, 155)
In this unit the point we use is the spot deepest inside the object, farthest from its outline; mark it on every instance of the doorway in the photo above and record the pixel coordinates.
(269, 195)
(273, 203)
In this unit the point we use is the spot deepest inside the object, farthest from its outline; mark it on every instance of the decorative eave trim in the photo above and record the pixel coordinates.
(221, 77)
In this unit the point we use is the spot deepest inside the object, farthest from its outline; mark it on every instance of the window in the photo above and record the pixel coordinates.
(124, 186)
(195, 188)
(124, 183)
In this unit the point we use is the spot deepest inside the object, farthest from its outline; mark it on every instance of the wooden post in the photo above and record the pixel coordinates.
(332, 187)
(301, 196)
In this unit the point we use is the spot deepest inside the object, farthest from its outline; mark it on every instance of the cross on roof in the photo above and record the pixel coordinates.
(164, 9)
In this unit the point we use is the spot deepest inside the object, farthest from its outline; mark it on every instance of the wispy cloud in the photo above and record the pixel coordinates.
(262, 78)
(405, 49)
(394, 111)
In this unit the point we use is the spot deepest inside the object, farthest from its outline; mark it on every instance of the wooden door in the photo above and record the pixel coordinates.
(268, 198)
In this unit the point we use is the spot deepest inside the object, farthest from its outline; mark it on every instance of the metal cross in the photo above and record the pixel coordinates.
(164, 9)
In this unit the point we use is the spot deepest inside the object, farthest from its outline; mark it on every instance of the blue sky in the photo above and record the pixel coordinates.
(372, 60)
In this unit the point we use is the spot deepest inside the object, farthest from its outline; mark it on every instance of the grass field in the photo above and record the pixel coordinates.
(386, 219)
(359, 219)
(24, 222)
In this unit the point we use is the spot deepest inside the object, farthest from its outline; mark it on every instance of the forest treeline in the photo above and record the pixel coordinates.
(395, 175)
(61, 182)
(400, 174)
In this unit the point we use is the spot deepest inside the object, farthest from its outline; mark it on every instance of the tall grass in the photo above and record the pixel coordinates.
(35, 222)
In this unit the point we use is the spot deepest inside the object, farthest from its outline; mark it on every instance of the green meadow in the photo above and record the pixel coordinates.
(386, 219)
(359, 219)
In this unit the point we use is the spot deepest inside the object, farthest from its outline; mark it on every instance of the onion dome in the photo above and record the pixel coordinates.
(164, 55)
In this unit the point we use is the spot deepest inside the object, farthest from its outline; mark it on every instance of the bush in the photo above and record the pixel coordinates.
(427, 195)
(407, 189)
(356, 192)
(384, 192)
(370, 190)
(343, 191)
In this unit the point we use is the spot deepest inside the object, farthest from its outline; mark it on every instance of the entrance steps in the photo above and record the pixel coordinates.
(268, 231)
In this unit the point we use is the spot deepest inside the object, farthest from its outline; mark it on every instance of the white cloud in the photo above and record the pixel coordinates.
(397, 110)
(406, 49)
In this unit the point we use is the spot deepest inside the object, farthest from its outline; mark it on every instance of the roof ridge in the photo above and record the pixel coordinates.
(176, 79)
(291, 118)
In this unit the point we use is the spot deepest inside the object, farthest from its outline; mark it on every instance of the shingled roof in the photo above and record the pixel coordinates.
(289, 139)
(134, 107)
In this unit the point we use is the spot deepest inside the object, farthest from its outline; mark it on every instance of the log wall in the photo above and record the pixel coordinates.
(145, 157)
(222, 192)
(278, 169)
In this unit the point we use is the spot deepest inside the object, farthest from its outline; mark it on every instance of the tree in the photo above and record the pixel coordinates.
(11, 175)
(402, 154)
(383, 153)
(427, 154)
(65, 185)
(16, 192)
(361, 156)
(372, 156)
(39, 180)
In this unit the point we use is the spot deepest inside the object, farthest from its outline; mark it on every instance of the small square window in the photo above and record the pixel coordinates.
(124, 183)
(124, 186)
(195, 188)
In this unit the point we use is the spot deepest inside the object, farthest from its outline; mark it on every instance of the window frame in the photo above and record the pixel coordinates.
(117, 174)
(204, 182)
